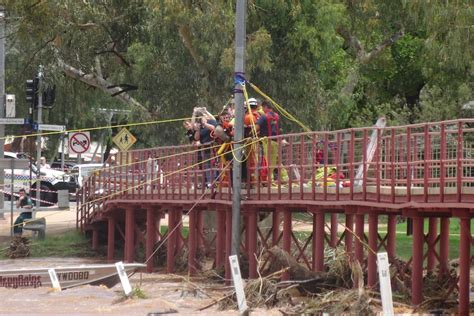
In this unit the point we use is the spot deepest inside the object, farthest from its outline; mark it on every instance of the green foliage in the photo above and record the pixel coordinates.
(303, 53)
(137, 292)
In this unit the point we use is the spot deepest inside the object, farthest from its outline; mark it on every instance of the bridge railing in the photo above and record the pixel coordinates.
(427, 163)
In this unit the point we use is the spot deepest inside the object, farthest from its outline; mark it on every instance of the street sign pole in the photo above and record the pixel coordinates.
(38, 138)
(63, 138)
(2, 102)
(12, 200)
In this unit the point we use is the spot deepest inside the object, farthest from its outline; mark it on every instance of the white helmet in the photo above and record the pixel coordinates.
(253, 102)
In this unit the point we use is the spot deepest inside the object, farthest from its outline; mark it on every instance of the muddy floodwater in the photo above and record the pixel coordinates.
(165, 295)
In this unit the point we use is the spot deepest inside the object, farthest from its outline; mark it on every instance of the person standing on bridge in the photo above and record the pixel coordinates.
(24, 202)
(268, 126)
(206, 124)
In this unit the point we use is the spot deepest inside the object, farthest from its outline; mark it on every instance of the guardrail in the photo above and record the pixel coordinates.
(422, 163)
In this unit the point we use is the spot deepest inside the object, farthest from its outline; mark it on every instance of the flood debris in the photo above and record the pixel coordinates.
(261, 292)
(269, 292)
(339, 289)
(19, 247)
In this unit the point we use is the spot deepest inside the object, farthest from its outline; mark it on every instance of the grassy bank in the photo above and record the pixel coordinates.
(69, 244)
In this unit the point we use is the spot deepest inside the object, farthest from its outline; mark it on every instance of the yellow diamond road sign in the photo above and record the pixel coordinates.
(124, 139)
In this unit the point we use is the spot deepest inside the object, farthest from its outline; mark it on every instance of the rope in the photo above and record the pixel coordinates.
(99, 127)
(164, 176)
(155, 159)
(280, 108)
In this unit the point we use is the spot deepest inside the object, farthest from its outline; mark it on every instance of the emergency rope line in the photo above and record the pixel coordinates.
(141, 184)
(154, 159)
(115, 193)
(172, 155)
(107, 126)
(280, 108)
(169, 233)
(98, 128)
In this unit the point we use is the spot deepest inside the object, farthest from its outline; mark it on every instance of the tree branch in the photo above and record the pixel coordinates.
(361, 56)
(185, 34)
(380, 48)
(102, 84)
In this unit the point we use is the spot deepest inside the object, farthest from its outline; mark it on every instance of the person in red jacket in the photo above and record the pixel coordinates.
(268, 126)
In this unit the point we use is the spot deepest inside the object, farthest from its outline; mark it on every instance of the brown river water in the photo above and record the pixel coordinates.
(165, 295)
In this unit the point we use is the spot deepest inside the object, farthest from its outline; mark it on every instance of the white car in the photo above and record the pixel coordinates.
(81, 172)
(50, 181)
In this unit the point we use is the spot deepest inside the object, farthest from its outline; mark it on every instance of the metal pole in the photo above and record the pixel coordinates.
(63, 138)
(38, 138)
(2, 105)
(12, 200)
(239, 123)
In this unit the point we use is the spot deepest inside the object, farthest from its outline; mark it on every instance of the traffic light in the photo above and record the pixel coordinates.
(32, 91)
(48, 97)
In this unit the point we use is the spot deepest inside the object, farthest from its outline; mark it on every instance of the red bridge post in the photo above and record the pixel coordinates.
(228, 244)
(444, 246)
(95, 239)
(432, 237)
(276, 226)
(372, 256)
(110, 238)
(349, 234)
(417, 264)
(129, 234)
(286, 236)
(464, 264)
(171, 244)
(318, 240)
(150, 237)
(252, 242)
(334, 226)
(359, 231)
(192, 241)
(220, 238)
(392, 235)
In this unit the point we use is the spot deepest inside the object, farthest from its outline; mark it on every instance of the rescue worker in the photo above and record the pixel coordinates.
(268, 126)
(249, 152)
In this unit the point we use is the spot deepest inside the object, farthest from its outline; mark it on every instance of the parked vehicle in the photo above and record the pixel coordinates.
(80, 172)
(50, 180)
(67, 166)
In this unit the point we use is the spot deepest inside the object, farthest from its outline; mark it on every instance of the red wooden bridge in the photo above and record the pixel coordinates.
(421, 171)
